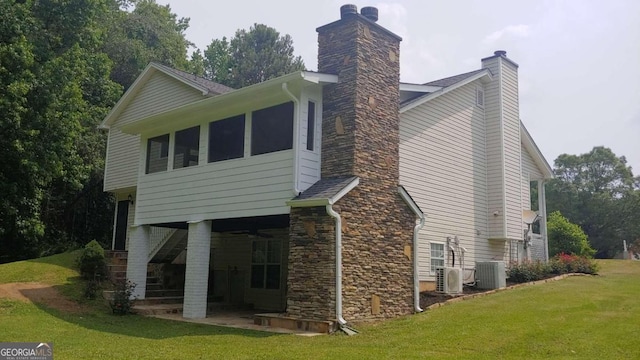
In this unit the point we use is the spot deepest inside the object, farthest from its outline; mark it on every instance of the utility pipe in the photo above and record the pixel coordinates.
(296, 111)
(338, 220)
(416, 281)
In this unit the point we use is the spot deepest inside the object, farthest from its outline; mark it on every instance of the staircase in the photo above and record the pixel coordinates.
(170, 247)
(158, 300)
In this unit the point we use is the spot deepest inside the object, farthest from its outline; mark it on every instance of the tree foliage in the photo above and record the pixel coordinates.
(249, 57)
(149, 32)
(566, 237)
(598, 191)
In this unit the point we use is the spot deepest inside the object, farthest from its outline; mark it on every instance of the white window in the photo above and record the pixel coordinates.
(437, 256)
(265, 264)
(480, 97)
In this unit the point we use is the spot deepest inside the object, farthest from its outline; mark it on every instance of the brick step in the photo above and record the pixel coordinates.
(117, 261)
(155, 293)
(156, 286)
(117, 267)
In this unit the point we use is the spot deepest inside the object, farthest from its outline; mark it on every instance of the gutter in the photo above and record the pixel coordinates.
(336, 216)
(416, 281)
(296, 162)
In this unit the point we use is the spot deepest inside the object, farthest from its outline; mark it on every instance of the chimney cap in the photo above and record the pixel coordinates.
(348, 10)
(500, 53)
(370, 13)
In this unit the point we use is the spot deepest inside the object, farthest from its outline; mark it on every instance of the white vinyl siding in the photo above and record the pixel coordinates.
(494, 155)
(254, 186)
(443, 167)
(512, 146)
(309, 161)
(160, 93)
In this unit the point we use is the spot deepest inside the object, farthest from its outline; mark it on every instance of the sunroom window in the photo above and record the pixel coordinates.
(226, 139)
(157, 154)
(311, 125)
(187, 148)
(272, 129)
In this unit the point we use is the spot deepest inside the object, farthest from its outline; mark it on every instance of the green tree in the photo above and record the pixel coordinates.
(149, 32)
(598, 191)
(566, 237)
(250, 57)
(54, 89)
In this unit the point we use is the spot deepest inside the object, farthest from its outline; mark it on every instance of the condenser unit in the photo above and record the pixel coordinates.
(490, 275)
(449, 280)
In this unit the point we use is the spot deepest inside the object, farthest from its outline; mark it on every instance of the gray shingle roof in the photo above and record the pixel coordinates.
(325, 188)
(454, 79)
(213, 87)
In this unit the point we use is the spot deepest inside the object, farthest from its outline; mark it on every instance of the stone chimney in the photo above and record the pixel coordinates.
(360, 113)
(360, 138)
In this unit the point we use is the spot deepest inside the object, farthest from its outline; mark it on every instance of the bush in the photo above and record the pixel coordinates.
(92, 263)
(559, 264)
(567, 237)
(528, 271)
(121, 302)
(91, 289)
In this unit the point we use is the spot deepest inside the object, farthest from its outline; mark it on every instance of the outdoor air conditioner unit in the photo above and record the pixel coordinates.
(449, 280)
(490, 275)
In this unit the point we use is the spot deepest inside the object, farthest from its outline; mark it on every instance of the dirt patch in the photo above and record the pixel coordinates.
(40, 294)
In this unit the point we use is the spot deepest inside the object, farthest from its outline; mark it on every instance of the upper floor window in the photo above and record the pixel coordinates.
(272, 129)
(157, 154)
(311, 125)
(226, 139)
(187, 147)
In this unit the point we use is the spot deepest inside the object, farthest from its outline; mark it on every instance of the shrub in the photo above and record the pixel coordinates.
(528, 271)
(92, 263)
(122, 302)
(569, 263)
(559, 264)
(91, 289)
(567, 237)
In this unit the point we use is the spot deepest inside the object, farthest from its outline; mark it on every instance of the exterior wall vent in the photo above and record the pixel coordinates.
(480, 97)
(491, 275)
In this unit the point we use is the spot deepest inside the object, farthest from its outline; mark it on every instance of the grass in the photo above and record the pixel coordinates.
(579, 317)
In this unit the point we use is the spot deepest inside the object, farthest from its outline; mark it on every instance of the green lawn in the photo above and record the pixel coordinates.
(582, 317)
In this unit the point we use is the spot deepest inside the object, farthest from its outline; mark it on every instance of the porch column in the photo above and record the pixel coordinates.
(137, 259)
(197, 270)
(542, 211)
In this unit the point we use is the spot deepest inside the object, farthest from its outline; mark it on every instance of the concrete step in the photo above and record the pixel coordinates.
(160, 300)
(155, 293)
(158, 309)
(285, 322)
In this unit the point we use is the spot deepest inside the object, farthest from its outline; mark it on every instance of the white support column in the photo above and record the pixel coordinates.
(197, 271)
(542, 211)
(137, 259)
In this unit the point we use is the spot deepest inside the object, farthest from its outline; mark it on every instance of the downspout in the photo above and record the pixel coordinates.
(416, 281)
(336, 216)
(296, 107)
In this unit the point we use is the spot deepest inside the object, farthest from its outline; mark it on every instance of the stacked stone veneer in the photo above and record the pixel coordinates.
(360, 137)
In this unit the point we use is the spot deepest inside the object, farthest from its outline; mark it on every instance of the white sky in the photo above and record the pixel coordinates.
(579, 59)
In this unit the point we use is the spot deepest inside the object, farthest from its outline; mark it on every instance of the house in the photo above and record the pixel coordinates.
(330, 195)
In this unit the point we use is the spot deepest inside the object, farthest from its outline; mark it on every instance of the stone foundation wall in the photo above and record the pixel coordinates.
(312, 261)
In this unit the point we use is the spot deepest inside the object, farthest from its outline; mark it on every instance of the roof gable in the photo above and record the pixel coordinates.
(535, 153)
(447, 84)
(200, 85)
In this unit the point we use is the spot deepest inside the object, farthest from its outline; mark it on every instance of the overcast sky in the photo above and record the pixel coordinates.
(579, 60)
